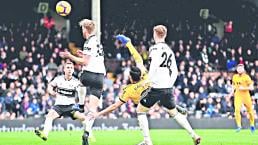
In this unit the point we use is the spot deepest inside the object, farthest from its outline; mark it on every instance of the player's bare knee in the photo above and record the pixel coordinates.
(52, 114)
(141, 109)
(93, 109)
(96, 93)
(80, 116)
(93, 103)
(82, 119)
(172, 112)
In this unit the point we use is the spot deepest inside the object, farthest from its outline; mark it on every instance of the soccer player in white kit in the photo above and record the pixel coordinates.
(65, 89)
(93, 71)
(162, 74)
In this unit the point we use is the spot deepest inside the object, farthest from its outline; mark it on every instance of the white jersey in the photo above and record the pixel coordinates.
(93, 48)
(66, 90)
(163, 69)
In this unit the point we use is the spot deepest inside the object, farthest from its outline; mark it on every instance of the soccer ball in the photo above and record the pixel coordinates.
(63, 8)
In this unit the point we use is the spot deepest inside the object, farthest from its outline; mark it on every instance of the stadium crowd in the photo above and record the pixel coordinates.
(30, 59)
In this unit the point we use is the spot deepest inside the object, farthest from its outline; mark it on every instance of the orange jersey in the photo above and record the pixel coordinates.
(243, 80)
(134, 91)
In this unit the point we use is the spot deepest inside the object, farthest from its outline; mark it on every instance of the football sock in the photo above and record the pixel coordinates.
(144, 125)
(87, 125)
(81, 95)
(251, 117)
(84, 124)
(47, 126)
(182, 120)
(238, 118)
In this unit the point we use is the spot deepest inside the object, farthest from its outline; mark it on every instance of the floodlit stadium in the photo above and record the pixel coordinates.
(131, 72)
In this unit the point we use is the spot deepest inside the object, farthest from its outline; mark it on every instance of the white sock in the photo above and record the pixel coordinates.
(144, 125)
(90, 133)
(47, 126)
(84, 124)
(81, 95)
(181, 120)
(87, 125)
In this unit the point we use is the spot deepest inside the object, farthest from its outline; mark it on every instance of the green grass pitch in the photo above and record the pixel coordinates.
(122, 137)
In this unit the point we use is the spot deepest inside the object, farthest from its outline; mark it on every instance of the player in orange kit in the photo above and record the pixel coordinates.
(242, 84)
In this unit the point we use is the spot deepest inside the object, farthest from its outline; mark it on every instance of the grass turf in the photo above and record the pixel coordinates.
(122, 137)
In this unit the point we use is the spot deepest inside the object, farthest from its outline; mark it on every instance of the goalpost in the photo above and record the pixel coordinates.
(95, 15)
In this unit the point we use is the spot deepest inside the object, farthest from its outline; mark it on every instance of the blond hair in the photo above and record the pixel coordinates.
(160, 30)
(89, 25)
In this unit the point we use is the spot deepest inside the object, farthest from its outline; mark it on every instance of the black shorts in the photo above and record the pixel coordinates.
(93, 82)
(65, 110)
(162, 96)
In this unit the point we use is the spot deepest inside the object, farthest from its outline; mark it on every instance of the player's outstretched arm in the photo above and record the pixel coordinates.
(136, 56)
(82, 59)
(110, 108)
(127, 42)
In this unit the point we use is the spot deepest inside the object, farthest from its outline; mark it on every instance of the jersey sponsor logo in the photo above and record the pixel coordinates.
(145, 93)
(87, 48)
(144, 100)
(66, 92)
(153, 49)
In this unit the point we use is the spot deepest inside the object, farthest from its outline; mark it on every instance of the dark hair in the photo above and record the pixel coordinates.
(135, 73)
(68, 61)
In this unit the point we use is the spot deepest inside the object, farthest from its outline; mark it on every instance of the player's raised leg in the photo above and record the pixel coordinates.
(52, 115)
(182, 121)
(168, 101)
(238, 104)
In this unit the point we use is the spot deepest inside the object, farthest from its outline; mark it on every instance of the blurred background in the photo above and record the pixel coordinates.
(209, 38)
